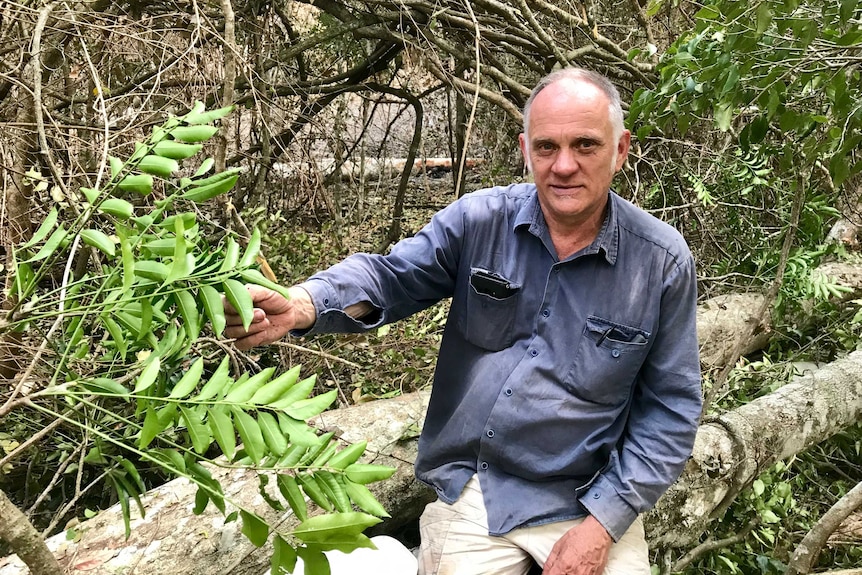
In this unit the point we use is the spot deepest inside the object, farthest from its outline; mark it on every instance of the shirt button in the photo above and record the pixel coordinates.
(596, 495)
(546, 313)
(508, 392)
(615, 353)
(326, 301)
(484, 465)
(534, 352)
(490, 433)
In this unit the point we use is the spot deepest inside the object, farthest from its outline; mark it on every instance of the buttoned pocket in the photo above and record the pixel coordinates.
(608, 359)
(492, 302)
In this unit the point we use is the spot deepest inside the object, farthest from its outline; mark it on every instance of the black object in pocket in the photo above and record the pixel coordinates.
(488, 283)
(491, 308)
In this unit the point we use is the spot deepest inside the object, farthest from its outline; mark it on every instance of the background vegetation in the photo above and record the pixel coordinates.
(746, 118)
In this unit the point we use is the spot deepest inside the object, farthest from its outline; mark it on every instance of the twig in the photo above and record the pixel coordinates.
(318, 353)
(712, 545)
(478, 45)
(809, 548)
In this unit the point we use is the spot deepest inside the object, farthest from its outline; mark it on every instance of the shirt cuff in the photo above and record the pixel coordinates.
(329, 310)
(604, 503)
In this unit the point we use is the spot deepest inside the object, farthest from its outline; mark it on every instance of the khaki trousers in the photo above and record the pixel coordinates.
(455, 541)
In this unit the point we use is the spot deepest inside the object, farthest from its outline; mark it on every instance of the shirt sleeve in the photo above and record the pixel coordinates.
(663, 417)
(417, 273)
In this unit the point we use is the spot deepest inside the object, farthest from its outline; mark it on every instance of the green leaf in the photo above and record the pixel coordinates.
(51, 245)
(321, 527)
(273, 390)
(238, 296)
(116, 166)
(290, 491)
(253, 276)
(344, 543)
(189, 381)
(151, 428)
(149, 374)
(252, 251)
(168, 459)
(117, 207)
(272, 434)
(189, 310)
(116, 334)
(180, 267)
(91, 194)
(193, 134)
(231, 256)
(194, 118)
(198, 432)
(314, 560)
(151, 270)
(249, 432)
(364, 499)
(105, 386)
(254, 528)
(335, 491)
(294, 455)
(298, 431)
(313, 490)
(222, 427)
(205, 192)
(763, 17)
(283, 559)
(138, 183)
(299, 391)
(99, 240)
(158, 166)
(176, 150)
(205, 167)
(213, 307)
(348, 456)
(307, 408)
(723, 116)
(243, 391)
(202, 499)
(47, 225)
(123, 498)
(365, 473)
(217, 383)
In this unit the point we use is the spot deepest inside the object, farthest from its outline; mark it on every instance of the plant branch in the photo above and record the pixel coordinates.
(809, 548)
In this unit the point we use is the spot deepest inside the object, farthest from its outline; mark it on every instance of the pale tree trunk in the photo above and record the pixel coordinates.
(21, 536)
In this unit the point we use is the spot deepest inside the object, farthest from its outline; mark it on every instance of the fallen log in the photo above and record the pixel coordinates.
(730, 451)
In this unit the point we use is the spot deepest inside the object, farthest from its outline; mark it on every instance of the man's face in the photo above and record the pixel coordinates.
(572, 152)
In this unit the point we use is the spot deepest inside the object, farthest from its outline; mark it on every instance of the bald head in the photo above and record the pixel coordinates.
(615, 110)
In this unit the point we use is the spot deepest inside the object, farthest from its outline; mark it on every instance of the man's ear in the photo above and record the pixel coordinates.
(623, 149)
(522, 141)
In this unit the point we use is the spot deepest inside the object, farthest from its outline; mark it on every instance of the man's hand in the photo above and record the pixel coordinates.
(274, 316)
(583, 550)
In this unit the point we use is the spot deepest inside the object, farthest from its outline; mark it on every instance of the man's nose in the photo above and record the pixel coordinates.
(565, 162)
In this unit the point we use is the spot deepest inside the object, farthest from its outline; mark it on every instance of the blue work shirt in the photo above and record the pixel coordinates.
(570, 387)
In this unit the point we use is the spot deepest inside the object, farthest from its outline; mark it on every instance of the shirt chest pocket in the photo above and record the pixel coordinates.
(490, 309)
(607, 361)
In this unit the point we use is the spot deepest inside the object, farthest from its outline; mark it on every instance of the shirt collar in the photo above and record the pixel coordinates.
(606, 242)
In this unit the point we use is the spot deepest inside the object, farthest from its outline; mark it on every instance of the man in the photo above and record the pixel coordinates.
(567, 389)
